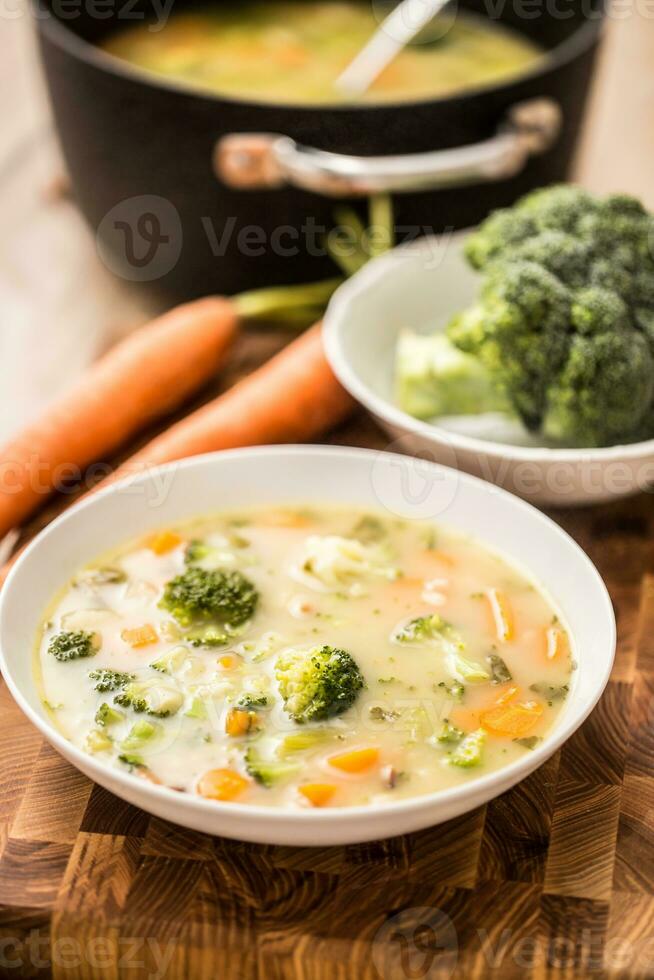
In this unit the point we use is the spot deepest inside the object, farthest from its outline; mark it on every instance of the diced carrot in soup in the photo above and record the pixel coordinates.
(239, 722)
(512, 719)
(356, 761)
(164, 541)
(440, 557)
(222, 784)
(318, 794)
(141, 636)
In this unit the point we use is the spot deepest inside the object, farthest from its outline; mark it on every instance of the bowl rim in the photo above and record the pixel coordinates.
(588, 32)
(362, 282)
(515, 771)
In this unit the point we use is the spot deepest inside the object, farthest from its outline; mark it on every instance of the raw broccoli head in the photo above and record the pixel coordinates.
(565, 319)
(565, 256)
(73, 644)
(562, 207)
(319, 683)
(519, 331)
(225, 597)
(599, 394)
(503, 229)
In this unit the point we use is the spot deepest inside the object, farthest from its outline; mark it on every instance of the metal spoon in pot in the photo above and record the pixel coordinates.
(394, 33)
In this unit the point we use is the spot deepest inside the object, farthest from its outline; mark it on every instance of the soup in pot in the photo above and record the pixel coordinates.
(291, 51)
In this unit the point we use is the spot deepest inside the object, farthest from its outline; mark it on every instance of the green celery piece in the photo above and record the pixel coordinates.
(106, 715)
(98, 741)
(306, 739)
(140, 732)
(197, 710)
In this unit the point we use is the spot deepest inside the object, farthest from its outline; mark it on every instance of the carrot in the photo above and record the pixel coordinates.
(440, 556)
(140, 636)
(318, 794)
(163, 542)
(222, 784)
(514, 720)
(292, 398)
(239, 722)
(356, 761)
(142, 378)
(147, 375)
(509, 718)
(468, 718)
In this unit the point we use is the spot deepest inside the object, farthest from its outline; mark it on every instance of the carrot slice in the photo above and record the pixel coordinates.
(239, 722)
(318, 794)
(140, 636)
(163, 542)
(440, 556)
(291, 519)
(514, 720)
(227, 661)
(222, 784)
(356, 761)
(404, 582)
(557, 643)
(502, 615)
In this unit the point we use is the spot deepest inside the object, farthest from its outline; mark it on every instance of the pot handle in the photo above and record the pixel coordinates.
(253, 161)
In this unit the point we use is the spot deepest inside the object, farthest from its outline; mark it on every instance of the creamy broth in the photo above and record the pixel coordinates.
(295, 51)
(444, 663)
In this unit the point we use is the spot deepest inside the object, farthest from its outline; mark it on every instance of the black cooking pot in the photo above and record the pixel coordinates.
(176, 203)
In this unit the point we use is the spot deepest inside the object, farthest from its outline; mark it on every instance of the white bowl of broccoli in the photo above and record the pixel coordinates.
(522, 352)
(277, 476)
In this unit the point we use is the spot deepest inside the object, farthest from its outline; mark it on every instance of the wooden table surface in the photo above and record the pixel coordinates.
(553, 879)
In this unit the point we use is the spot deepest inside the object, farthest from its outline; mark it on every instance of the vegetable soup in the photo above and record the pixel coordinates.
(304, 658)
(294, 51)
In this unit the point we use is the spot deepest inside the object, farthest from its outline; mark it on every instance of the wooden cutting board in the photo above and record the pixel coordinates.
(553, 879)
